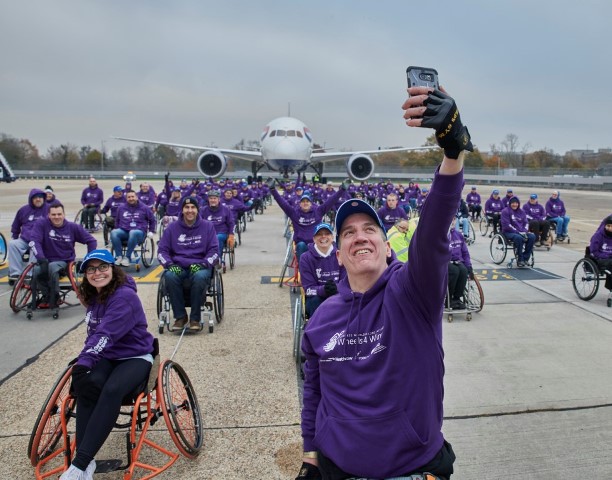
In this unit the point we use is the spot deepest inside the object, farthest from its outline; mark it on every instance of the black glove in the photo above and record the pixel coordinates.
(470, 273)
(330, 288)
(442, 115)
(166, 177)
(43, 264)
(308, 471)
(345, 184)
(81, 385)
(270, 183)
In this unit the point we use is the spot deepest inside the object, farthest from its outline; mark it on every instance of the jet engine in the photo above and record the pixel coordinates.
(360, 167)
(212, 164)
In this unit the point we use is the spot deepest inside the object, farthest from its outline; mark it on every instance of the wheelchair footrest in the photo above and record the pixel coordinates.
(106, 466)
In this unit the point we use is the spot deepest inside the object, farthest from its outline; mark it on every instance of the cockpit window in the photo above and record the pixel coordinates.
(299, 134)
(291, 133)
(273, 134)
(281, 133)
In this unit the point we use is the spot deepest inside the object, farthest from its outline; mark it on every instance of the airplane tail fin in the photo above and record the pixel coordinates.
(6, 172)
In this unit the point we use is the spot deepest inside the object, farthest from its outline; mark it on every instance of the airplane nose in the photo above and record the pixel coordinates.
(285, 149)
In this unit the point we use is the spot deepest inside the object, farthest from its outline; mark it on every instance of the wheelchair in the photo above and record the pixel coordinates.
(228, 256)
(587, 276)
(291, 261)
(485, 224)
(217, 305)
(98, 219)
(471, 236)
(498, 249)
(553, 231)
(299, 323)
(22, 297)
(146, 253)
(168, 393)
(473, 297)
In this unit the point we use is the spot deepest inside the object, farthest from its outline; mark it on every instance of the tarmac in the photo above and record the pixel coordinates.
(527, 389)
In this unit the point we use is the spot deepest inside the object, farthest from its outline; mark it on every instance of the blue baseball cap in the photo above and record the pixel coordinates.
(118, 188)
(533, 196)
(322, 226)
(99, 254)
(305, 197)
(495, 192)
(353, 206)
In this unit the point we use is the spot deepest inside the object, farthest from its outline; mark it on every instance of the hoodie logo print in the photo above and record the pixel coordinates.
(333, 341)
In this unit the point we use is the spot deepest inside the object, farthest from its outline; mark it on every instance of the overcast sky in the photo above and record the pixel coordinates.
(203, 72)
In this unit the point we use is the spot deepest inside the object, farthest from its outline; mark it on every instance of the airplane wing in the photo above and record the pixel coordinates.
(248, 155)
(323, 157)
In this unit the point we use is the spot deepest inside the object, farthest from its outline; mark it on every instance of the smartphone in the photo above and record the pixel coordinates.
(422, 77)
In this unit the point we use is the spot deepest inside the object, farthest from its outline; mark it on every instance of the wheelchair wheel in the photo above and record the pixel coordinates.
(286, 262)
(232, 258)
(180, 408)
(299, 313)
(484, 225)
(48, 426)
(497, 249)
(3, 249)
(471, 238)
(218, 298)
(237, 235)
(585, 279)
(21, 296)
(474, 296)
(147, 252)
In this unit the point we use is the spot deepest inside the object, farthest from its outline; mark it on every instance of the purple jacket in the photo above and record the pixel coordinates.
(27, 215)
(473, 198)
(57, 244)
(185, 245)
(534, 211)
(514, 221)
(304, 223)
(117, 328)
(374, 368)
(493, 205)
(555, 208)
(389, 217)
(93, 196)
(221, 217)
(112, 205)
(316, 270)
(601, 244)
(135, 217)
(458, 248)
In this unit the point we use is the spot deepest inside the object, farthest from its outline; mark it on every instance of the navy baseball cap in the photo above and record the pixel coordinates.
(533, 196)
(100, 254)
(322, 226)
(355, 206)
(495, 192)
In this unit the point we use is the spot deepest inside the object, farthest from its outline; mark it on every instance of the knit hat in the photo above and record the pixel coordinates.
(190, 201)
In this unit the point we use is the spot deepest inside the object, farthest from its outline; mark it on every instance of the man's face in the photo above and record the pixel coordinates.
(227, 195)
(49, 195)
(131, 198)
(554, 195)
(533, 201)
(509, 194)
(323, 239)
(213, 201)
(118, 194)
(176, 194)
(362, 249)
(56, 215)
(92, 183)
(305, 205)
(391, 201)
(38, 201)
(190, 213)
(608, 227)
(514, 205)
(145, 187)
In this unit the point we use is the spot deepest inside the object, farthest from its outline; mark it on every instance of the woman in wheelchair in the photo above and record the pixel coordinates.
(515, 228)
(459, 268)
(493, 209)
(601, 249)
(115, 360)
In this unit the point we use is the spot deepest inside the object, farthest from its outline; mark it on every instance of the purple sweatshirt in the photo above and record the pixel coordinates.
(93, 196)
(117, 328)
(316, 270)
(135, 217)
(374, 368)
(390, 216)
(601, 244)
(221, 217)
(534, 211)
(57, 244)
(185, 245)
(555, 208)
(112, 205)
(304, 223)
(27, 215)
(458, 248)
(514, 221)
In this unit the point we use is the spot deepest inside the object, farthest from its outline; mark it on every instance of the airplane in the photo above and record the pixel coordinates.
(286, 147)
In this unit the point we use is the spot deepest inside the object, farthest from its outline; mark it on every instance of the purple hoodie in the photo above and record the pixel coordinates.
(555, 207)
(221, 217)
(185, 245)
(57, 244)
(27, 215)
(316, 270)
(135, 217)
(374, 368)
(601, 243)
(514, 221)
(117, 328)
(93, 196)
(458, 248)
(390, 216)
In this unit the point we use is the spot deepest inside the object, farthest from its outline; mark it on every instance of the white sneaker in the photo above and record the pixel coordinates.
(73, 473)
(125, 262)
(90, 470)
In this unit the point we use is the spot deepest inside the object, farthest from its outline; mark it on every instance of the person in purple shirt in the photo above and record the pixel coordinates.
(50, 195)
(493, 209)
(319, 268)
(473, 201)
(373, 388)
(188, 251)
(515, 228)
(507, 198)
(304, 216)
(110, 209)
(223, 220)
(146, 195)
(459, 268)
(115, 360)
(391, 212)
(26, 216)
(555, 211)
(91, 199)
(134, 221)
(52, 244)
(601, 249)
(536, 216)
